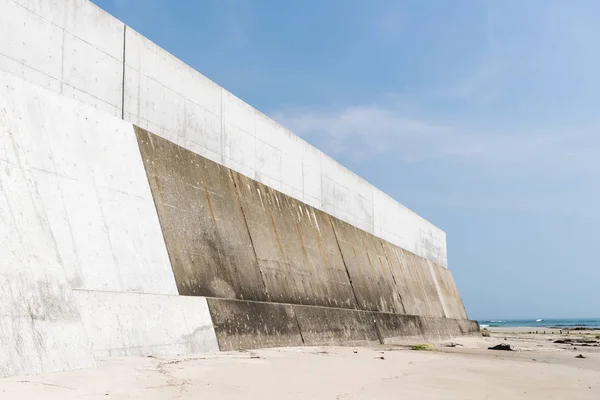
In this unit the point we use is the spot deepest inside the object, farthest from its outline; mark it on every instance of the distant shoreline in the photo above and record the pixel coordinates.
(540, 329)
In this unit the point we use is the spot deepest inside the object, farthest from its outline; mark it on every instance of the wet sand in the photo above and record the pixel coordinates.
(538, 369)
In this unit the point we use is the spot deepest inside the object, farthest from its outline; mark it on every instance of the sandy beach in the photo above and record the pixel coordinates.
(537, 369)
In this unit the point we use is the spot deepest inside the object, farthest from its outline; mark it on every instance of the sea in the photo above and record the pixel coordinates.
(543, 322)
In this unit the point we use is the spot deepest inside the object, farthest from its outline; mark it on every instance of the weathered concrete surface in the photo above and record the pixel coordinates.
(231, 237)
(336, 326)
(250, 325)
(203, 225)
(414, 282)
(455, 306)
(368, 268)
(295, 246)
(246, 325)
(123, 324)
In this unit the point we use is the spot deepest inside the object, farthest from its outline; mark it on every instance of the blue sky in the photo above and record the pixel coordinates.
(482, 116)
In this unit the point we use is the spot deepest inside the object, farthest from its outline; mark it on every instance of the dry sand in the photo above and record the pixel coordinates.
(539, 369)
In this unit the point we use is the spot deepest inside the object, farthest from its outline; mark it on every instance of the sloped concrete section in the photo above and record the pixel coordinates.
(203, 225)
(279, 272)
(295, 246)
(455, 306)
(368, 268)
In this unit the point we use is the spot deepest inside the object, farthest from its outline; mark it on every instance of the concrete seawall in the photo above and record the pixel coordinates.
(117, 241)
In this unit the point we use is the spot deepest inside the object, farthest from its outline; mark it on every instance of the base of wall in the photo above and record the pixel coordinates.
(243, 325)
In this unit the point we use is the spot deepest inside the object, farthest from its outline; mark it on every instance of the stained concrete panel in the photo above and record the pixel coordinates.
(249, 325)
(414, 282)
(368, 268)
(90, 179)
(450, 293)
(326, 326)
(123, 324)
(295, 246)
(203, 224)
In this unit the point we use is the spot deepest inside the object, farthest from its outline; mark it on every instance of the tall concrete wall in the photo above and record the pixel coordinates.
(74, 48)
(118, 241)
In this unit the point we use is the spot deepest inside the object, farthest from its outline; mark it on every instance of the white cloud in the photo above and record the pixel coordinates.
(369, 130)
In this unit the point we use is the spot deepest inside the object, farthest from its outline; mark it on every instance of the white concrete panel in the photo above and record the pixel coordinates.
(238, 167)
(30, 39)
(311, 167)
(268, 162)
(238, 113)
(92, 71)
(29, 74)
(292, 191)
(162, 106)
(141, 262)
(96, 27)
(52, 10)
(272, 183)
(83, 97)
(203, 151)
(96, 261)
(239, 147)
(203, 127)
(203, 92)
(95, 188)
(311, 201)
(40, 326)
(291, 161)
(131, 98)
(51, 196)
(151, 61)
(120, 324)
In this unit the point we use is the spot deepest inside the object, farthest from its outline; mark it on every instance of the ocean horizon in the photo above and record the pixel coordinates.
(542, 322)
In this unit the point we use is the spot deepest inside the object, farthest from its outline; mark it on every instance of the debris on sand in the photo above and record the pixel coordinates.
(580, 356)
(503, 347)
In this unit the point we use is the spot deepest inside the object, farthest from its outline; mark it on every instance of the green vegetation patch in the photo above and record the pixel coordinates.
(423, 347)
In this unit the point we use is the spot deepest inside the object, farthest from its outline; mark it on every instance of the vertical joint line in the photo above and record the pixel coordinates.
(262, 277)
(123, 82)
(385, 254)
(344, 261)
(298, 324)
